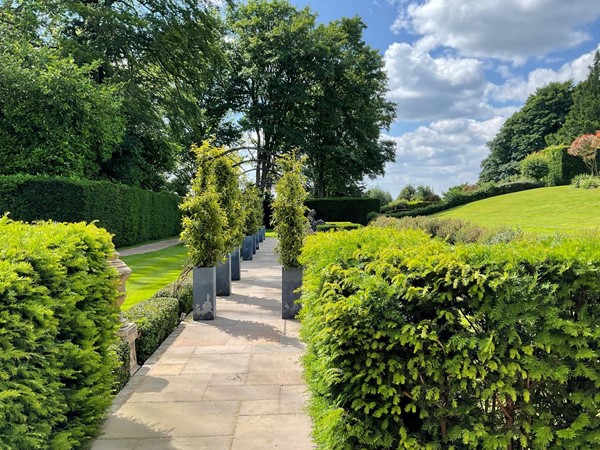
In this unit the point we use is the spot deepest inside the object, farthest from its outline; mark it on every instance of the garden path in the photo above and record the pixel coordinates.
(146, 248)
(231, 383)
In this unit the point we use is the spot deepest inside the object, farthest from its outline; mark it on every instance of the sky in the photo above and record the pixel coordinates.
(457, 69)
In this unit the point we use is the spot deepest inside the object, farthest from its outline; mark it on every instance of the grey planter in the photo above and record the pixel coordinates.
(236, 269)
(205, 293)
(247, 248)
(261, 234)
(291, 280)
(257, 240)
(253, 237)
(224, 278)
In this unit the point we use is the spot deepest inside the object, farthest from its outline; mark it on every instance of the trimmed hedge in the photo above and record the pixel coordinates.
(133, 215)
(182, 291)
(417, 343)
(458, 199)
(335, 226)
(58, 322)
(156, 318)
(344, 209)
(405, 205)
(562, 167)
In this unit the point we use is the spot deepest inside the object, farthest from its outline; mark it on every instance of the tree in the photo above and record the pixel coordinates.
(586, 147)
(320, 90)
(376, 192)
(407, 193)
(348, 111)
(535, 166)
(526, 131)
(584, 115)
(53, 119)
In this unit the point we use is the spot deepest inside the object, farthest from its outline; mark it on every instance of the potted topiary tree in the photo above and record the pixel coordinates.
(252, 205)
(230, 198)
(204, 232)
(291, 227)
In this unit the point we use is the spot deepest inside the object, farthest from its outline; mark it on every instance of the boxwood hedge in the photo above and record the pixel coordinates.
(58, 324)
(417, 343)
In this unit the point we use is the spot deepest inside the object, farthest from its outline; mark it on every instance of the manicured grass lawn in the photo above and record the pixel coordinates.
(547, 210)
(152, 271)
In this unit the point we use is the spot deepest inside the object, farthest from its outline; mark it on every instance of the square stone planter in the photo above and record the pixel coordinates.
(247, 248)
(261, 234)
(236, 268)
(257, 241)
(291, 280)
(224, 278)
(205, 293)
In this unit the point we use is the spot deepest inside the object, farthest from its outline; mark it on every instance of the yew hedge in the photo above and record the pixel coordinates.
(58, 322)
(417, 343)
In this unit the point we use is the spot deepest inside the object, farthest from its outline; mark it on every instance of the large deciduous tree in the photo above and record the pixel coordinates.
(317, 89)
(526, 130)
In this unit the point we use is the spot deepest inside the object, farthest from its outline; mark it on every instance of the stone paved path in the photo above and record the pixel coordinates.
(231, 383)
(146, 248)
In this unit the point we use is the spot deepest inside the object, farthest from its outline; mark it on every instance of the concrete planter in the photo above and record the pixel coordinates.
(261, 234)
(291, 280)
(224, 278)
(205, 293)
(257, 241)
(236, 269)
(247, 248)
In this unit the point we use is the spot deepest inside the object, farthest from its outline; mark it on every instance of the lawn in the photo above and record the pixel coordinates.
(152, 271)
(547, 210)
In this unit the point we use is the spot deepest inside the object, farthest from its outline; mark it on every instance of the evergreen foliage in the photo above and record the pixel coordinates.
(344, 209)
(535, 166)
(58, 322)
(417, 343)
(204, 222)
(155, 318)
(289, 219)
(253, 209)
(132, 215)
(182, 290)
(562, 167)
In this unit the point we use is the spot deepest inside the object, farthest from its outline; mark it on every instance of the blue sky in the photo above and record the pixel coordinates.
(458, 68)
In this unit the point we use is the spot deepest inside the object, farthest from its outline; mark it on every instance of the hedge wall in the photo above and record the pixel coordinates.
(458, 199)
(133, 215)
(416, 343)
(58, 324)
(344, 209)
(562, 166)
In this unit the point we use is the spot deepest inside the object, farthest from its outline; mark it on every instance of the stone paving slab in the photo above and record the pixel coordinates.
(231, 383)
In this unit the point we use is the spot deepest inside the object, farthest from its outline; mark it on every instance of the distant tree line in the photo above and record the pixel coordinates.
(120, 90)
(556, 114)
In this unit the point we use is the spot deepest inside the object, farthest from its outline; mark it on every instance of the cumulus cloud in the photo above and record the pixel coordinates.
(511, 30)
(441, 155)
(427, 88)
(518, 89)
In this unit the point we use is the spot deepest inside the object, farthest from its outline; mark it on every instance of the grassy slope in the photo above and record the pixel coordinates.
(152, 271)
(561, 208)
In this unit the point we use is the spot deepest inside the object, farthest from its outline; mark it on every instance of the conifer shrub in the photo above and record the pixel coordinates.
(156, 319)
(58, 322)
(417, 343)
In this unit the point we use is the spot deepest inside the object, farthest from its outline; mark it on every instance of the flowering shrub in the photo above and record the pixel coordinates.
(586, 146)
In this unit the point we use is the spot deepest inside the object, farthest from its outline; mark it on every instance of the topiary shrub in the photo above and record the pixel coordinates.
(534, 166)
(156, 318)
(562, 167)
(344, 209)
(58, 323)
(413, 342)
(122, 371)
(335, 226)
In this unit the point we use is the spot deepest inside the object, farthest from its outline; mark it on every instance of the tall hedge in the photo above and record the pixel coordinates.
(58, 324)
(562, 167)
(416, 343)
(344, 209)
(133, 215)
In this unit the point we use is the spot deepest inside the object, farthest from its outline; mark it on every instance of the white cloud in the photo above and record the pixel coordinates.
(441, 155)
(518, 89)
(511, 30)
(426, 88)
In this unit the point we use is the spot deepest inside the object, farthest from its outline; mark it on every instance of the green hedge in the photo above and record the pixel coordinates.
(156, 318)
(562, 166)
(344, 209)
(58, 323)
(182, 291)
(335, 226)
(417, 343)
(133, 215)
(462, 198)
(404, 205)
